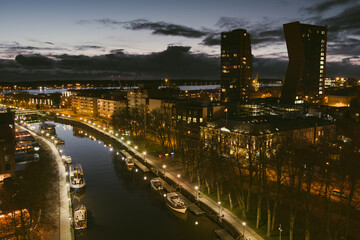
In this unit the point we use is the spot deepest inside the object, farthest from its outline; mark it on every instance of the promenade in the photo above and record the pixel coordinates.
(172, 171)
(65, 227)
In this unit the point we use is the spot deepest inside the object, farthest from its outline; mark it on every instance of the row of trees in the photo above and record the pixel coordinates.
(311, 189)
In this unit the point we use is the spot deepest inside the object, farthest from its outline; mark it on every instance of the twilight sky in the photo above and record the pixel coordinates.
(88, 39)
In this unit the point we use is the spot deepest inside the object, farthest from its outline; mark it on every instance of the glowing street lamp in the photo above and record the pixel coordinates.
(244, 224)
(219, 203)
(280, 230)
(164, 167)
(197, 193)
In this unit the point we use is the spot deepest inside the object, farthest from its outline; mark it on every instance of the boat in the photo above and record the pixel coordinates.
(175, 202)
(67, 159)
(76, 177)
(128, 158)
(156, 184)
(80, 217)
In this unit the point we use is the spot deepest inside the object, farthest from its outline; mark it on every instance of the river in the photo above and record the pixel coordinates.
(120, 202)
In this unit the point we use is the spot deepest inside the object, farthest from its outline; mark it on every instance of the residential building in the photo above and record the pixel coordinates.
(84, 105)
(7, 144)
(136, 97)
(236, 66)
(107, 107)
(304, 80)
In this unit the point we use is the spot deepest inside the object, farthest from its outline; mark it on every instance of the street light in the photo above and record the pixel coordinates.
(178, 176)
(196, 193)
(280, 230)
(164, 167)
(219, 203)
(244, 224)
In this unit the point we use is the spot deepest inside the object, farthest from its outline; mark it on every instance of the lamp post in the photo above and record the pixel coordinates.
(178, 176)
(244, 224)
(164, 167)
(219, 203)
(196, 193)
(280, 230)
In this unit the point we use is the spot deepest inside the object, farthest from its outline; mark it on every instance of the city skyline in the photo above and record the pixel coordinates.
(43, 40)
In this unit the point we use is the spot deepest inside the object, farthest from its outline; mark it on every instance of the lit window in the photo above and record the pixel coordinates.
(235, 55)
(200, 120)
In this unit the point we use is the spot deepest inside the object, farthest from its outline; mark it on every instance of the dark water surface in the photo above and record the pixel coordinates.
(120, 203)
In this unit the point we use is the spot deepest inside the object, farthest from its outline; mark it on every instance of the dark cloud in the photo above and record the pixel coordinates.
(87, 47)
(156, 28)
(50, 43)
(349, 19)
(212, 40)
(326, 5)
(230, 23)
(269, 67)
(163, 28)
(175, 61)
(35, 60)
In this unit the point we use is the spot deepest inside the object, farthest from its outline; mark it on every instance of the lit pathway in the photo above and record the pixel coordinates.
(65, 228)
(172, 170)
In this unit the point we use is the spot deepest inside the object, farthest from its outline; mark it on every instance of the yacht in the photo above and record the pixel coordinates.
(156, 184)
(175, 202)
(80, 217)
(76, 177)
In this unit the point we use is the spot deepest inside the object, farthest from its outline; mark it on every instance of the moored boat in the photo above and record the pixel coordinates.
(80, 217)
(175, 202)
(128, 158)
(67, 159)
(156, 184)
(76, 177)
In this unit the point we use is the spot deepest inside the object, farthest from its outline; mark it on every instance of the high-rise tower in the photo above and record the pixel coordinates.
(236, 65)
(304, 80)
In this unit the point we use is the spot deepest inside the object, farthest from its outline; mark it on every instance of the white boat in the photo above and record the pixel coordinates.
(80, 217)
(128, 158)
(67, 159)
(175, 202)
(76, 177)
(156, 184)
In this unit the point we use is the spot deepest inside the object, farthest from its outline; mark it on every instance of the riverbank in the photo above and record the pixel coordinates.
(64, 231)
(226, 218)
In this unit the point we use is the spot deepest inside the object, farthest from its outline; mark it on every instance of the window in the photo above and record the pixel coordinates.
(200, 120)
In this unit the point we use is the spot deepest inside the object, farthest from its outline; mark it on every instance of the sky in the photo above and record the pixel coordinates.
(88, 39)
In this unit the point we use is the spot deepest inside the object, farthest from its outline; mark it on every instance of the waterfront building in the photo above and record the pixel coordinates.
(304, 80)
(107, 107)
(236, 66)
(7, 144)
(84, 105)
(253, 133)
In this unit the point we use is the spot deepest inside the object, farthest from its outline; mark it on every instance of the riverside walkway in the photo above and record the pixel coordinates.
(65, 227)
(171, 172)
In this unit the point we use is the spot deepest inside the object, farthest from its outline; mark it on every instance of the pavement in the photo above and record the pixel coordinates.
(65, 227)
(173, 168)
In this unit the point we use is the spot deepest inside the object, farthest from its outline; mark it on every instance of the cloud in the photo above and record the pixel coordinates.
(175, 61)
(87, 47)
(212, 40)
(326, 5)
(35, 60)
(156, 28)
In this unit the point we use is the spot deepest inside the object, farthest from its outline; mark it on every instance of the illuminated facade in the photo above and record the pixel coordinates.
(84, 105)
(305, 75)
(106, 107)
(236, 65)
